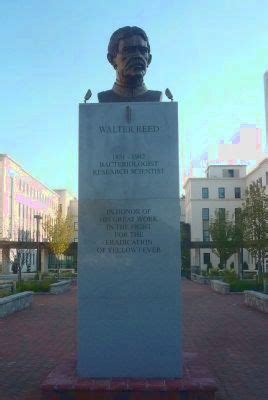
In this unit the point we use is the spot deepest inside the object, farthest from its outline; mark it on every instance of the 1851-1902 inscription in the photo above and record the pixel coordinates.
(129, 164)
(128, 231)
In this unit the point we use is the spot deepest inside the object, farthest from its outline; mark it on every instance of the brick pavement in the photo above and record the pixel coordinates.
(231, 339)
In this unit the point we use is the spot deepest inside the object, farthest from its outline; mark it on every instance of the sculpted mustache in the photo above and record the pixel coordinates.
(135, 61)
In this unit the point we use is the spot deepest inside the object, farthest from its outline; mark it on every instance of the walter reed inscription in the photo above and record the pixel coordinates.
(129, 129)
(128, 231)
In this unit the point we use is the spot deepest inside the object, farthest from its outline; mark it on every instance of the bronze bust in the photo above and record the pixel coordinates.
(129, 54)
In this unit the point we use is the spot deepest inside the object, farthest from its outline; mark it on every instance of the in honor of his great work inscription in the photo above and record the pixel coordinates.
(129, 244)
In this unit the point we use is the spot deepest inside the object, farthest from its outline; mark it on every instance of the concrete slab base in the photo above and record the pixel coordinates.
(195, 384)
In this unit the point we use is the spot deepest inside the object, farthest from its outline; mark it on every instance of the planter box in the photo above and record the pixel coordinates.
(215, 278)
(60, 287)
(15, 302)
(203, 280)
(220, 287)
(256, 300)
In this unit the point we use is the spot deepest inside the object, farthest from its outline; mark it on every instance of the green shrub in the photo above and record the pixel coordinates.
(215, 272)
(35, 286)
(229, 276)
(4, 292)
(240, 285)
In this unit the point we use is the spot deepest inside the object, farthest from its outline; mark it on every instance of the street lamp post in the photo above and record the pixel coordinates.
(38, 219)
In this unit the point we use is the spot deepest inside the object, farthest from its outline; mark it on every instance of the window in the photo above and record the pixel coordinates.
(206, 235)
(237, 191)
(230, 173)
(75, 226)
(204, 193)
(221, 213)
(205, 222)
(206, 258)
(205, 214)
(221, 191)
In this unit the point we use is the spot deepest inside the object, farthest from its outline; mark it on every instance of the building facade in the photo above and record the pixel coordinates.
(222, 190)
(22, 198)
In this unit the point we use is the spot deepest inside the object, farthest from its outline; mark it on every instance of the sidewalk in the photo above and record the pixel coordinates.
(230, 338)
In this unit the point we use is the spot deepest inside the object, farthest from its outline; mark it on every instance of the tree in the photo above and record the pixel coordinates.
(59, 234)
(223, 235)
(185, 249)
(239, 239)
(255, 223)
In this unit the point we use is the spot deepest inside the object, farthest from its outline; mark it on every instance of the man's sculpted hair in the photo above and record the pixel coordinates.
(123, 33)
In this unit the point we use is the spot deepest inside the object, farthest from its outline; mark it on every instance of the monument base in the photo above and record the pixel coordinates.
(195, 383)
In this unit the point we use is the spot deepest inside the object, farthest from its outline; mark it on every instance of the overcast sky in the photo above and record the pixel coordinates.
(212, 55)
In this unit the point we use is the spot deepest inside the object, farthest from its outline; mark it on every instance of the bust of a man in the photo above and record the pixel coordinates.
(129, 54)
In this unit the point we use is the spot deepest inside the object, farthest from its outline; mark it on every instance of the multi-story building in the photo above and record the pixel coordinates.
(22, 199)
(223, 189)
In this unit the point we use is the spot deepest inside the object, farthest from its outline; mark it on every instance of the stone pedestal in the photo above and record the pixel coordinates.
(129, 242)
(195, 383)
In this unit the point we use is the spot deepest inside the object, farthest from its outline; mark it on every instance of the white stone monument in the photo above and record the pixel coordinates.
(129, 318)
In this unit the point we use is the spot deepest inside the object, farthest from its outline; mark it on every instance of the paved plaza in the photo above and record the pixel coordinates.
(231, 339)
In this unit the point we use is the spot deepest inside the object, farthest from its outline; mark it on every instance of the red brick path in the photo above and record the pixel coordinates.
(230, 338)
